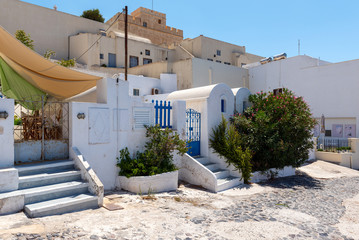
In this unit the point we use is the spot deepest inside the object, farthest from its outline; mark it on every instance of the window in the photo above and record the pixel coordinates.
(133, 61)
(147, 52)
(101, 55)
(277, 91)
(144, 24)
(218, 61)
(227, 63)
(223, 105)
(159, 21)
(147, 61)
(210, 59)
(136, 92)
(218, 52)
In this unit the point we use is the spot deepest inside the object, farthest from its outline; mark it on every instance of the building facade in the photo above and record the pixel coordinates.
(149, 24)
(329, 88)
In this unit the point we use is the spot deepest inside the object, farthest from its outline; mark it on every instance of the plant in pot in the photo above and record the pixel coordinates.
(156, 159)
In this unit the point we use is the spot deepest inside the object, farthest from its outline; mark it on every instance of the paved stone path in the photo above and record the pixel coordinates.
(297, 207)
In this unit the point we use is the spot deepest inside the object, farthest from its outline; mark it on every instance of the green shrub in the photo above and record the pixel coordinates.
(24, 38)
(93, 14)
(157, 157)
(320, 150)
(17, 120)
(49, 53)
(67, 63)
(277, 128)
(227, 142)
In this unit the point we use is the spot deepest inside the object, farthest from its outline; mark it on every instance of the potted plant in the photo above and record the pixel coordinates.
(152, 170)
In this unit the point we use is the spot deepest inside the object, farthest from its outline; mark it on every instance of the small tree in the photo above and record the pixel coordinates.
(277, 128)
(24, 38)
(93, 14)
(227, 142)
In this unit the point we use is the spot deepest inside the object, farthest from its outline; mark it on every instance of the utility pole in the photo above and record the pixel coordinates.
(126, 46)
(298, 46)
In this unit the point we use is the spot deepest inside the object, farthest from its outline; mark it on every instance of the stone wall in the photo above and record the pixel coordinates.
(149, 24)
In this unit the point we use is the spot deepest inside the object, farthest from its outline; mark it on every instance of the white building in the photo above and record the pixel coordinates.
(329, 88)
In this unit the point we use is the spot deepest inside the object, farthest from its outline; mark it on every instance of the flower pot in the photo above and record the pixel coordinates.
(149, 184)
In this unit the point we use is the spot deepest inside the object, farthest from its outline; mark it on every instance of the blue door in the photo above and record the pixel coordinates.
(111, 60)
(193, 132)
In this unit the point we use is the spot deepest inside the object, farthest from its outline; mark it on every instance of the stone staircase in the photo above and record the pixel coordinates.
(53, 188)
(224, 179)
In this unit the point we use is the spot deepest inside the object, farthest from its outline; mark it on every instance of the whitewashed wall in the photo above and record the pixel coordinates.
(329, 88)
(110, 126)
(7, 134)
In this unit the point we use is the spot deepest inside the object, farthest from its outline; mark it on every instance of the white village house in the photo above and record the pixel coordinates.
(84, 133)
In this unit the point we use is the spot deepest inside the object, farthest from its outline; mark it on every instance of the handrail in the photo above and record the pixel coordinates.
(200, 175)
(95, 185)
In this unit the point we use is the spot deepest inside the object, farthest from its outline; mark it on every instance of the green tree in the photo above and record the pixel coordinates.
(24, 38)
(93, 14)
(227, 142)
(277, 128)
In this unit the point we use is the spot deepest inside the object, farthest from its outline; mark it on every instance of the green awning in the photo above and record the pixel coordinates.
(16, 87)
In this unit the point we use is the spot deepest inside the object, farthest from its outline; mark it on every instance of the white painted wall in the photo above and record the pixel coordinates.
(207, 101)
(48, 28)
(109, 127)
(7, 134)
(329, 88)
(206, 73)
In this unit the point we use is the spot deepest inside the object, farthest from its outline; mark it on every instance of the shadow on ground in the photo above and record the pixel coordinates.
(299, 180)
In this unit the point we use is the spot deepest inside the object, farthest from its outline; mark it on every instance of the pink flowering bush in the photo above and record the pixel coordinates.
(277, 129)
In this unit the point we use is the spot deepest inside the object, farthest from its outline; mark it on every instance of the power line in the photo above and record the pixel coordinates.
(100, 36)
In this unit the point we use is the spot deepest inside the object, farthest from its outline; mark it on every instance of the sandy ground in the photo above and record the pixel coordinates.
(189, 213)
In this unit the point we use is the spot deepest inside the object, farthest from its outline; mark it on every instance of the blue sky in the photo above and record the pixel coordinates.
(327, 29)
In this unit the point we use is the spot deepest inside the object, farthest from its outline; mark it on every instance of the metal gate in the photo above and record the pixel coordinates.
(193, 132)
(41, 130)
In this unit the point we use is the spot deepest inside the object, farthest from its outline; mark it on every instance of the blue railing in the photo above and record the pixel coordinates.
(163, 113)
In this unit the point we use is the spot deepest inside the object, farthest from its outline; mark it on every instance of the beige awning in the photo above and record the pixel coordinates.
(50, 77)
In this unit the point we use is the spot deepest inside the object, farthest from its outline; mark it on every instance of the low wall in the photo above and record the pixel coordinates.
(354, 144)
(149, 184)
(260, 176)
(87, 173)
(343, 159)
(9, 179)
(195, 173)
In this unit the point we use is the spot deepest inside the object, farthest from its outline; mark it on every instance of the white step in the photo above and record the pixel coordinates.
(42, 179)
(44, 193)
(62, 205)
(212, 166)
(221, 173)
(44, 167)
(203, 160)
(227, 183)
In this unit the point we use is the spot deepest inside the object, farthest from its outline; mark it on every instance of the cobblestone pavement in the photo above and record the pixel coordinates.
(297, 207)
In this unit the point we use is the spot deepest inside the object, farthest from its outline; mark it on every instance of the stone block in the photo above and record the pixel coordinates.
(9, 179)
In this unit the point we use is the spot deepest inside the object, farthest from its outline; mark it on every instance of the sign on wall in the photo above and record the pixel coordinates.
(337, 130)
(99, 125)
(350, 130)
